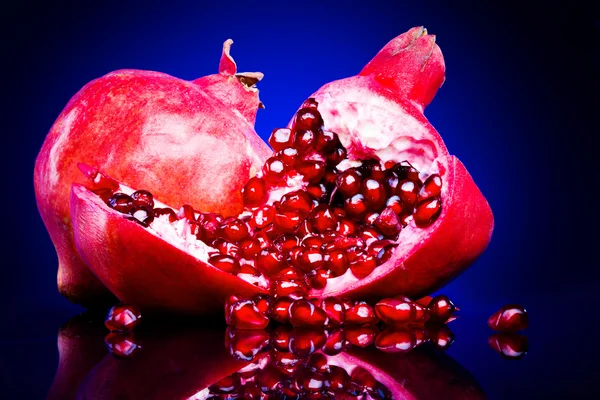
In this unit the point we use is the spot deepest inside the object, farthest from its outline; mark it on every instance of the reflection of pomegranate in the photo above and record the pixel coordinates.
(157, 132)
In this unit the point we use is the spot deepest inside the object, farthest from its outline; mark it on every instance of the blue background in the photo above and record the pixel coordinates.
(519, 108)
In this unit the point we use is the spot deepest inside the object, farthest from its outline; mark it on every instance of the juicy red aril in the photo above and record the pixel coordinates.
(263, 303)
(305, 341)
(363, 265)
(427, 211)
(280, 338)
(361, 314)
(337, 262)
(388, 223)
(245, 315)
(226, 385)
(304, 313)
(234, 229)
(269, 261)
(509, 345)
(104, 193)
(274, 170)
(158, 212)
(318, 278)
(285, 242)
(372, 169)
(121, 202)
(399, 311)
(408, 191)
(326, 142)
(186, 211)
(336, 156)
(317, 191)
(510, 318)
(334, 309)
(441, 308)
(405, 170)
(313, 242)
(288, 156)
(371, 217)
(122, 345)
(322, 219)
(143, 198)
(335, 343)
(311, 259)
(349, 182)
(338, 378)
(356, 206)
(440, 336)
(395, 203)
(363, 378)
(308, 119)
(297, 200)
(280, 139)
(250, 248)
(280, 311)
(262, 216)
(305, 140)
(244, 345)
(143, 215)
(225, 263)
(370, 235)
(287, 287)
(313, 171)
(254, 192)
(346, 227)
(432, 187)
(396, 340)
(122, 317)
(287, 221)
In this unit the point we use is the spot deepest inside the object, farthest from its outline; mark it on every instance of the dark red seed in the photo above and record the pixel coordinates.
(143, 198)
(159, 212)
(186, 211)
(274, 170)
(346, 227)
(388, 223)
(254, 192)
(427, 211)
(510, 318)
(121, 202)
(248, 270)
(361, 336)
(338, 378)
(317, 191)
(382, 250)
(395, 203)
(234, 229)
(441, 308)
(123, 317)
(310, 103)
(269, 261)
(227, 248)
(288, 156)
(280, 311)
(305, 341)
(336, 342)
(318, 279)
(303, 313)
(263, 239)
(336, 262)
(363, 378)
(372, 169)
(396, 340)
(361, 314)
(399, 311)
(349, 182)
(313, 171)
(269, 379)
(290, 274)
(245, 345)
(511, 346)
(122, 345)
(336, 156)
(280, 338)
(313, 242)
(334, 308)
(143, 215)
(263, 303)
(322, 219)
(370, 235)
(305, 140)
(317, 362)
(297, 200)
(311, 259)
(262, 216)
(287, 221)
(408, 191)
(288, 287)
(327, 142)
(280, 139)
(440, 335)
(285, 242)
(405, 170)
(308, 119)
(432, 187)
(371, 217)
(356, 206)
(104, 193)
(227, 385)
(225, 263)
(245, 315)
(391, 182)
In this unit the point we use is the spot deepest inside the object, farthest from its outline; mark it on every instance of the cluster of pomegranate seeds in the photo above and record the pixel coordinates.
(299, 311)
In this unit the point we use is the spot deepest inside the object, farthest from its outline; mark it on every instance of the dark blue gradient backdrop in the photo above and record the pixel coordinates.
(516, 108)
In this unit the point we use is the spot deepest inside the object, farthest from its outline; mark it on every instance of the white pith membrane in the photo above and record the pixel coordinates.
(343, 360)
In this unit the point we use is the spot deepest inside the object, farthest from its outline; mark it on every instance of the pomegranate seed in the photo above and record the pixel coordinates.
(263, 303)
(311, 382)
(382, 250)
(281, 309)
(280, 338)
(310, 103)
(335, 311)
(280, 138)
(322, 219)
(159, 212)
(121, 203)
(363, 266)
(336, 156)
(245, 315)
(313, 242)
(304, 313)
(317, 191)
(143, 198)
(361, 336)
(363, 378)
(336, 262)
(305, 341)
(290, 274)
(370, 235)
(305, 140)
(122, 317)
(388, 223)
(288, 156)
(283, 288)
(427, 211)
(269, 379)
(274, 170)
(294, 255)
(509, 345)
(234, 229)
(349, 182)
(319, 278)
(313, 171)
(338, 378)
(356, 206)
(440, 336)
(254, 192)
(225, 263)
(186, 211)
(230, 384)
(441, 308)
(335, 343)
(371, 217)
(372, 169)
(122, 345)
(510, 318)
(327, 142)
(391, 182)
(143, 215)
(298, 200)
(311, 259)
(308, 119)
(395, 340)
(104, 193)
(396, 204)
(262, 216)
(399, 310)
(405, 170)
(346, 227)
(285, 243)
(244, 345)
(361, 314)
(408, 191)
(432, 187)
(375, 194)
(248, 270)
(227, 248)
(250, 248)
(269, 261)
(317, 362)
(287, 221)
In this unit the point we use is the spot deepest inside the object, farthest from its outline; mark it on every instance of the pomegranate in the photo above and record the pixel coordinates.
(155, 131)
(360, 199)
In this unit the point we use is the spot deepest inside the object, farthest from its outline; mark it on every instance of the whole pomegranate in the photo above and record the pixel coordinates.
(360, 199)
(154, 131)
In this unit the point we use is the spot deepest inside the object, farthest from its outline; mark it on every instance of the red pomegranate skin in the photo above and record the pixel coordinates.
(185, 141)
(379, 114)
